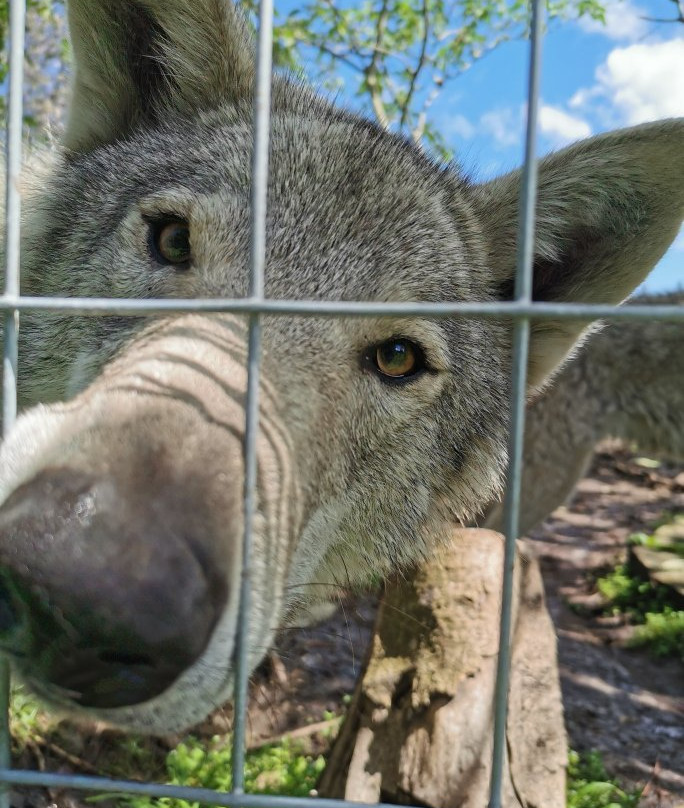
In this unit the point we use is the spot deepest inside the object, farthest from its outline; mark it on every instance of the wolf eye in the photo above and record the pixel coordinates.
(170, 242)
(398, 358)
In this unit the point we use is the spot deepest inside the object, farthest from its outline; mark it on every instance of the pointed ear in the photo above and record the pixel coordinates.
(607, 210)
(138, 60)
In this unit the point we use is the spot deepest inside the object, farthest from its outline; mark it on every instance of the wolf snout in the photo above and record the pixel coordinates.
(106, 595)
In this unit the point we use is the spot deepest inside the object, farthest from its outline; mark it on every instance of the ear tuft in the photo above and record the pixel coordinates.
(138, 60)
(607, 210)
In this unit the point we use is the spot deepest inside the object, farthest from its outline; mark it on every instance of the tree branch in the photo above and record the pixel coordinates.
(679, 5)
(419, 130)
(355, 45)
(344, 57)
(372, 69)
(422, 58)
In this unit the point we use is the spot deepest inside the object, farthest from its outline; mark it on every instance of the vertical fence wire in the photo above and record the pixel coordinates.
(13, 207)
(17, 22)
(520, 350)
(262, 113)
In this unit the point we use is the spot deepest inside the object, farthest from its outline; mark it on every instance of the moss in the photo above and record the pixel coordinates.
(590, 786)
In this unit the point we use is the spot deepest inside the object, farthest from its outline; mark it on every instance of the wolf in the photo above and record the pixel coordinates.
(625, 382)
(122, 483)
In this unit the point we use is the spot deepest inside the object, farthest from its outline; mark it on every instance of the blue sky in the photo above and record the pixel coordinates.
(595, 78)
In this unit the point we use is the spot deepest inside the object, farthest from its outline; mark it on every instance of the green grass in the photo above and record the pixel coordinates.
(651, 607)
(28, 721)
(285, 768)
(590, 786)
(662, 634)
(659, 625)
(629, 594)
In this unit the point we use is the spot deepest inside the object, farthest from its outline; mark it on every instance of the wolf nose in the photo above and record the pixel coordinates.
(104, 593)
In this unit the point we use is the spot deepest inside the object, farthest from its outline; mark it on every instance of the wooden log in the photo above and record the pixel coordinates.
(419, 728)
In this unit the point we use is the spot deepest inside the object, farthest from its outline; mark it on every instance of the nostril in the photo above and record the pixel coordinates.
(125, 659)
(109, 677)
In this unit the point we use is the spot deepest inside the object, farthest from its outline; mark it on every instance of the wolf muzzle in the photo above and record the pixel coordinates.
(120, 533)
(109, 598)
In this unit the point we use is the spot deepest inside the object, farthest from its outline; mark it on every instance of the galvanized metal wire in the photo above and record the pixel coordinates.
(17, 23)
(521, 345)
(15, 110)
(262, 115)
(131, 307)
(521, 311)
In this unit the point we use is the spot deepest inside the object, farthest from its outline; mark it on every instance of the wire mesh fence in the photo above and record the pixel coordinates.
(520, 310)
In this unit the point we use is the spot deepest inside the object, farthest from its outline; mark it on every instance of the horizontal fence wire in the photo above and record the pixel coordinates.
(206, 796)
(521, 310)
(494, 310)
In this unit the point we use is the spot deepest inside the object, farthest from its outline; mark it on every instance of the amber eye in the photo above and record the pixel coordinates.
(170, 241)
(398, 358)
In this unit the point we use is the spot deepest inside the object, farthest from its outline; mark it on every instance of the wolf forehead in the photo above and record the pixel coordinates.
(353, 210)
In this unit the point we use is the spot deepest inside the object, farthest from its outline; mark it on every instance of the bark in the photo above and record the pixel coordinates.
(419, 729)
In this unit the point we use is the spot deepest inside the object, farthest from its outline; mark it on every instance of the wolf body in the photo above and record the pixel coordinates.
(626, 382)
(121, 523)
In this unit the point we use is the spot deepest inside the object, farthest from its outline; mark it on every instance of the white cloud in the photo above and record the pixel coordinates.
(623, 22)
(583, 97)
(560, 127)
(642, 82)
(459, 125)
(504, 125)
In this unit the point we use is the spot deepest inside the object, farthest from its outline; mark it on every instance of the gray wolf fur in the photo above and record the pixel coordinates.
(626, 382)
(122, 516)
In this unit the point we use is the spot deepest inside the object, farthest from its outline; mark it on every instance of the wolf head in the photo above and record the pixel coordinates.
(120, 532)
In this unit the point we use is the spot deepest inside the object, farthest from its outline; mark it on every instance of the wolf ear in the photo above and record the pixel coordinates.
(607, 209)
(138, 60)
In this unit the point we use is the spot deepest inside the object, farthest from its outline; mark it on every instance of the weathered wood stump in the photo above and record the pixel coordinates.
(419, 728)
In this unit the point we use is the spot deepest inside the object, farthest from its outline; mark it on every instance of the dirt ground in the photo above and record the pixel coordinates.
(619, 701)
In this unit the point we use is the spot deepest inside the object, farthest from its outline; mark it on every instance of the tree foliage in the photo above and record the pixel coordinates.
(396, 56)
(45, 65)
